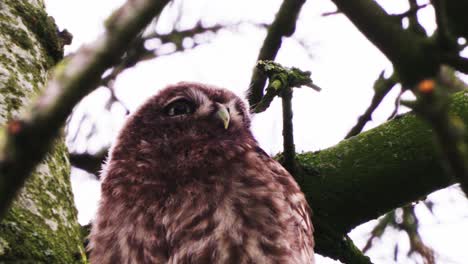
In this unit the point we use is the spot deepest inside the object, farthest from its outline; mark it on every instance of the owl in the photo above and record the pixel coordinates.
(186, 182)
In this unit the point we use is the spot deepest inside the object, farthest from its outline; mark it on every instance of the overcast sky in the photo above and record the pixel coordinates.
(341, 60)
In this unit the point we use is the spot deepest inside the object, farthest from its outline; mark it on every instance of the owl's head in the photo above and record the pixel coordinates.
(187, 101)
(187, 114)
(187, 106)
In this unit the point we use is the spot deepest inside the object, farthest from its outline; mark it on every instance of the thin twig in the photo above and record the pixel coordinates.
(289, 150)
(138, 52)
(406, 222)
(396, 105)
(381, 88)
(25, 142)
(331, 13)
(412, 11)
(414, 24)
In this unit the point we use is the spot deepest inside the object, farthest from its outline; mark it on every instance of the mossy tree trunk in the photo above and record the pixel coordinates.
(41, 226)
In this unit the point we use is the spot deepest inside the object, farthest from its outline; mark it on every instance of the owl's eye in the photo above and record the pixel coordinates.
(179, 107)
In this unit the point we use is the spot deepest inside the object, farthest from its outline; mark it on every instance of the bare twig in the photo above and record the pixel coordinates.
(331, 13)
(289, 150)
(407, 222)
(414, 24)
(412, 11)
(379, 229)
(138, 52)
(381, 87)
(396, 105)
(284, 25)
(24, 142)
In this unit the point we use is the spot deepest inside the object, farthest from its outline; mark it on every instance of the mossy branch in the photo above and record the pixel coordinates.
(284, 25)
(24, 142)
(280, 78)
(376, 171)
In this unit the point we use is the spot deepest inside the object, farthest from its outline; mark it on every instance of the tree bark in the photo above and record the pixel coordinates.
(41, 226)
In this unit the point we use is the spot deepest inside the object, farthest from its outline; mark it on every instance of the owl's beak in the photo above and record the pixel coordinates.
(223, 115)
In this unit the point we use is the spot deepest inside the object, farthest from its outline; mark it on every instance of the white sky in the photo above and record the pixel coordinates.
(343, 63)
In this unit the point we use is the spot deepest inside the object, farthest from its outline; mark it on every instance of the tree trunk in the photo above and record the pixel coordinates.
(41, 226)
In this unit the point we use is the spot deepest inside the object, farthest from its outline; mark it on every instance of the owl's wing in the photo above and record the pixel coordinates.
(299, 208)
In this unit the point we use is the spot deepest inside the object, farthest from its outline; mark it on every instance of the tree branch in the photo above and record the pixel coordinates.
(412, 11)
(432, 105)
(406, 221)
(414, 56)
(90, 163)
(24, 142)
(284, 25)
(411, 14)
(356, 180)
(289, 150)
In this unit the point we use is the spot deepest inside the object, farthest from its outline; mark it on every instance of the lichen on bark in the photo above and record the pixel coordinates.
(41, 226)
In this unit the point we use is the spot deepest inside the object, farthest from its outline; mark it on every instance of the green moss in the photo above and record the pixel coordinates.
(4, 246)
(12, 95)
(41, 226)
(358, 168)
(18, 35)
(42, 223)
(43, 26)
